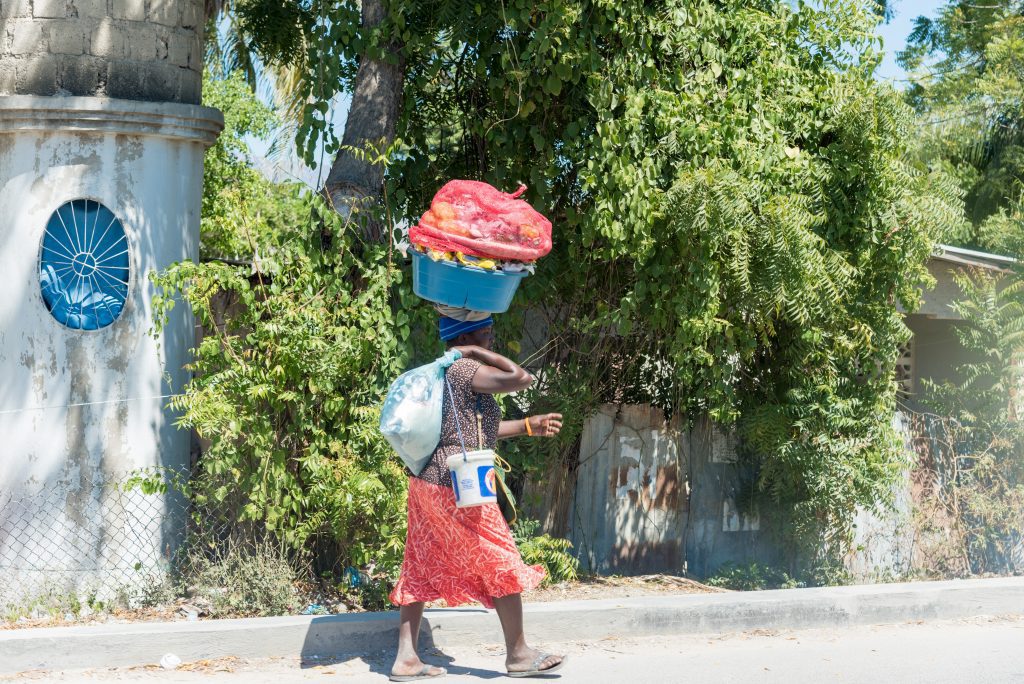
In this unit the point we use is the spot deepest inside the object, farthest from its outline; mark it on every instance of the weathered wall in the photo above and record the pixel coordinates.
(651, 497)
(629, 511)
(131, 49)
(884, 540)
(79, 409)
(937, 351)
(937, 300)
(723, 529)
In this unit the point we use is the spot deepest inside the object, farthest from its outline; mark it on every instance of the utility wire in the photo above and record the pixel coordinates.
(86, 403)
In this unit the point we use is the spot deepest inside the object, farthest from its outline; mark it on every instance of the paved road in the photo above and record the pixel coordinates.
(989, 650)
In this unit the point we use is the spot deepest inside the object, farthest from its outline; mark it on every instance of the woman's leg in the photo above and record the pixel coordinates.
(407, 661)
(518, 655)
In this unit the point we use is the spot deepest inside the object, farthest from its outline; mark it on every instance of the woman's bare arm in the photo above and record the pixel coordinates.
(547, 425)
(497, 375)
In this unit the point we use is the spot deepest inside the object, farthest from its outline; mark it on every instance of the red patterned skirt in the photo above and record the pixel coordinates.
(458, 554)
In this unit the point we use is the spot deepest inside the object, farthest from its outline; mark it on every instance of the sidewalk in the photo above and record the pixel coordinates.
(331, 636)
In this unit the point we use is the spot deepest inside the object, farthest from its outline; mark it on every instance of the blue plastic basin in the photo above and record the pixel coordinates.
(471, 288)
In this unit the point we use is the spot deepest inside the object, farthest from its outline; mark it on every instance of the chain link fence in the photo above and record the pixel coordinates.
(102, 542)
(955, 508)
(67, 547)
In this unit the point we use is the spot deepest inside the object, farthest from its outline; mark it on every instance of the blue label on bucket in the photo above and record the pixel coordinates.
(455, 484)
(485, 474)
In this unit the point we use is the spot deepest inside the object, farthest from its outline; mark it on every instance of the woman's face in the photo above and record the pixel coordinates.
(484, 337)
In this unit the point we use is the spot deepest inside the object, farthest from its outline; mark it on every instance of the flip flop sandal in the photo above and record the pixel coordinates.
(535, 671)
(423, 674)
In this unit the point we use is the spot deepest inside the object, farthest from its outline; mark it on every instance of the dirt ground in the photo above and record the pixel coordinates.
(618, 587)
(585, 588)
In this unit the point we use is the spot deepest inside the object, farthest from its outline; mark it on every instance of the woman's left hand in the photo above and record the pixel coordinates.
(546, 425)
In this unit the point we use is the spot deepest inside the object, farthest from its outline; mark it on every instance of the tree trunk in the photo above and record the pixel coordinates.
(354, 181)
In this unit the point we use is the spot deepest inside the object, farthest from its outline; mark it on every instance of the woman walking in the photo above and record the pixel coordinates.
(468, 554)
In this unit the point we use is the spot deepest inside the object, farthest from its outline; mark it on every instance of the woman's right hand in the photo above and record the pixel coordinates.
(468, 351)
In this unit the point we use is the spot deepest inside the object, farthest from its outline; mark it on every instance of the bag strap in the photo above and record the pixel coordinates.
(455, 414)
(501, 466)
(479, 422)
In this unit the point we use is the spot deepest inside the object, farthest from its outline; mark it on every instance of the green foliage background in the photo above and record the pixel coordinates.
(243, 212)
(298, 342)
(982, 462)
(287, 389)
(968, 87)
(736, 220)
(736, 215)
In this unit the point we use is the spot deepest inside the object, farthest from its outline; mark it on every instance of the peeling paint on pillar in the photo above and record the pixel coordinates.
(79, 409)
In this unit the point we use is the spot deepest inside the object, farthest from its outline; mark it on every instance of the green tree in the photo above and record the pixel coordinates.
(242, 210)
(967, 68)
(735, 219)
(297, 343)
(968, 87)
(982, 459)
(315, 49)
(735, 216)
(287, 385)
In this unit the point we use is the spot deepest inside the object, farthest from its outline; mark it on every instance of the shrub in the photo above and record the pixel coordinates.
(549, 552)
(752, 577)
(242, 580)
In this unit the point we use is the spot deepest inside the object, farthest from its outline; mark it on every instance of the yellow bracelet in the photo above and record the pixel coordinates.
(529, 430)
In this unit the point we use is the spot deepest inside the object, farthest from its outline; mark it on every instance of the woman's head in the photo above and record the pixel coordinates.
(459, 327)
(484, 337)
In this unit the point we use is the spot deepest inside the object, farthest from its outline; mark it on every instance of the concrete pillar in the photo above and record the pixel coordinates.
(131, 49)
(98, 102)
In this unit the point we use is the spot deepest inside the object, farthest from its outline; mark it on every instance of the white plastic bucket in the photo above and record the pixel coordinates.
(473, 478)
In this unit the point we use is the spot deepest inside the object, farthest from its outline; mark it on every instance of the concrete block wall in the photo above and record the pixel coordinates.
(149, 50)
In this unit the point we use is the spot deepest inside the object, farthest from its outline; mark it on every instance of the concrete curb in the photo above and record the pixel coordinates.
(144, 643)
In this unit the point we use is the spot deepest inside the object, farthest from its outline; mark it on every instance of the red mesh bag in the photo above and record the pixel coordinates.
(477, 219)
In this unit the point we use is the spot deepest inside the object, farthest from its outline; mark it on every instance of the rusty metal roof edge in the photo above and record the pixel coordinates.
(970, 257)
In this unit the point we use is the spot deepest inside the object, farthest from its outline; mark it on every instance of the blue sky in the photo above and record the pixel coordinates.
(896, 31)
(894, 34)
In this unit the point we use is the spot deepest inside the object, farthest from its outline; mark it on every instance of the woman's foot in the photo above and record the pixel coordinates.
(532, 662)
(411, 670)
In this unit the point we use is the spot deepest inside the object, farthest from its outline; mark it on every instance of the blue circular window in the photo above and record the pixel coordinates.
(83, 267)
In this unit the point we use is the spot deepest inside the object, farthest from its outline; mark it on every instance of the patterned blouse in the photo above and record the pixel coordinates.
(460, 375)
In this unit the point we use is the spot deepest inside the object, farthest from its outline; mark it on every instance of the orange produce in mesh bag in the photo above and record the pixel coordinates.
(477, 219)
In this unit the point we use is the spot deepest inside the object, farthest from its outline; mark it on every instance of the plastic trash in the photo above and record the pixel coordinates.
(411, 417)
(170, 661)
(79, 307)
(354, 577)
